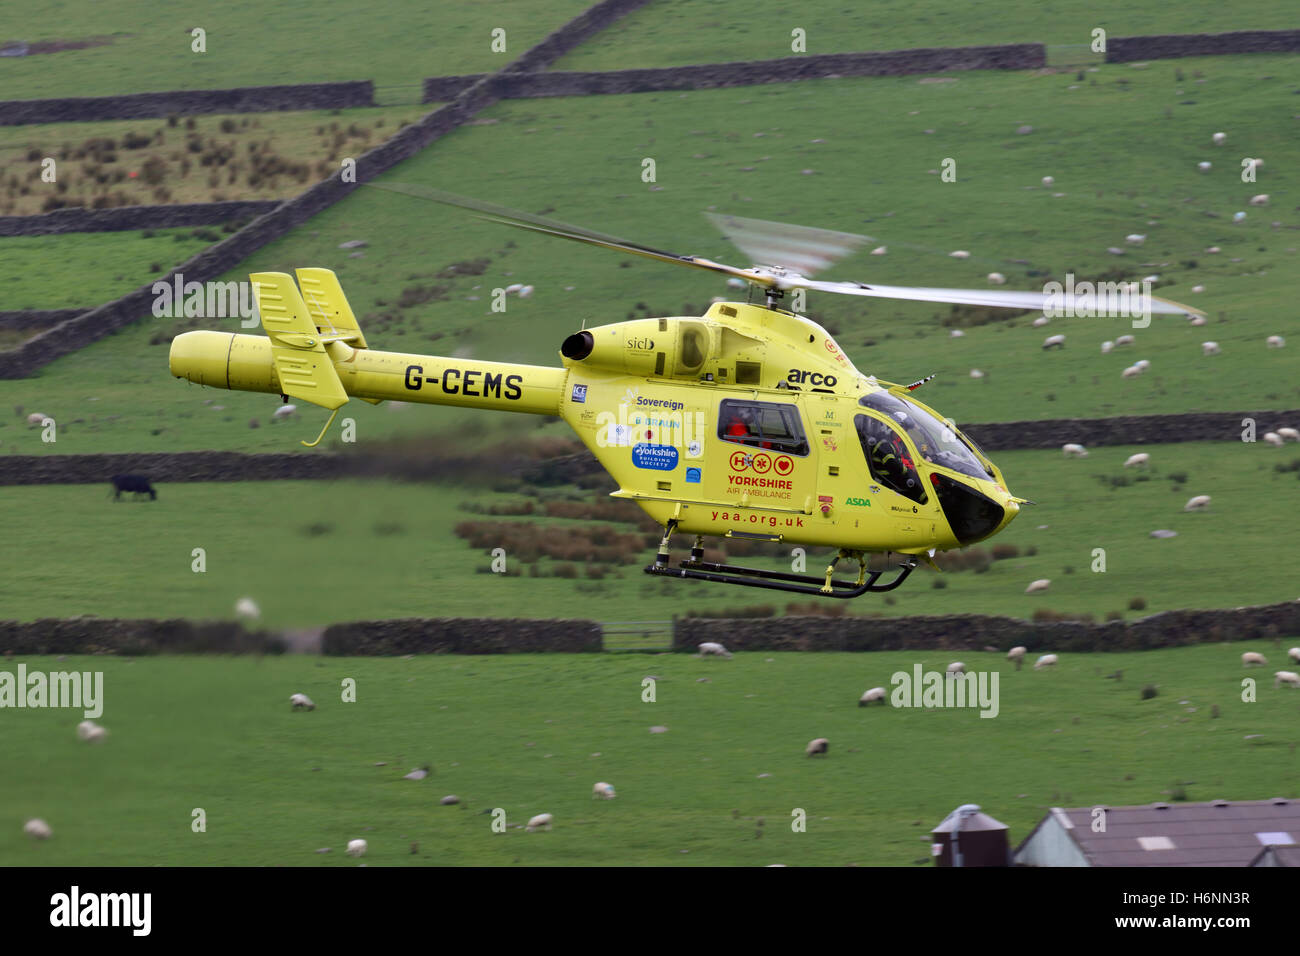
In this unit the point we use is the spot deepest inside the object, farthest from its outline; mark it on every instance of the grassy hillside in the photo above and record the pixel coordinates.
(313, 553)
(253, 44)
(678, 32)
(531, 734)
(1122, 145)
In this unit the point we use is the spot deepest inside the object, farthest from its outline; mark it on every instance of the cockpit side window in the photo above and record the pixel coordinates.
(938, 441)
(889, 457)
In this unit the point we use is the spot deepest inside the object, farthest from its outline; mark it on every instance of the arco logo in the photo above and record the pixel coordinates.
(800, 376)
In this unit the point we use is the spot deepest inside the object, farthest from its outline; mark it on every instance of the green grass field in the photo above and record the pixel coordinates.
(679, 32)
(252, 44)
(532, 733)
(389, 550)
(583, 163)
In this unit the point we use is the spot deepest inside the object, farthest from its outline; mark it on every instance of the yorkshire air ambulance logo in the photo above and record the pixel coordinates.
(741, 460)
(783, 465)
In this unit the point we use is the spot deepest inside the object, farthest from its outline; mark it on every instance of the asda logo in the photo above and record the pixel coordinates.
(860, 502)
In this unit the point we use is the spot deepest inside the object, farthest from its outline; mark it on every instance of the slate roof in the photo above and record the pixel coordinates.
(1220, 833)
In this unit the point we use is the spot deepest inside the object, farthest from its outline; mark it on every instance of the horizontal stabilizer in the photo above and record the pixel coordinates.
(301, 362)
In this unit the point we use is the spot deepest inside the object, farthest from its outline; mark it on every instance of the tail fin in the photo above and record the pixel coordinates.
(304, 367)
(328, 306)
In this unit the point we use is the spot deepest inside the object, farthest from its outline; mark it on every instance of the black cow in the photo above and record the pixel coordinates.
(137, 484)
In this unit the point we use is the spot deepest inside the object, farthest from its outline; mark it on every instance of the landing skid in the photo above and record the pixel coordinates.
(701, 570)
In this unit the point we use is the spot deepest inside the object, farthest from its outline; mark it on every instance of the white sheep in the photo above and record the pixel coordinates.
(1125, 340)
(956, 334)
(1204, 166)
(1210, 348)
(818, 746)
(1035, 587)
(247, 609)
(1106, 347)
(710, 648)
(959, 254)
(302, 702)
(357, 847)
(1290, 434)
(1142, 364)
(1219, 138)
(997, 278)
(514, 287)
(1198, 289)
(1074, 451)
(1275, 341)
(1135, 239)
(1286, 677)
(1054, 341)
(1273, 438)
(976, 373)
(1260, 200)
(283, 412)
(878, 251)
(90, 731)
(525, 292)
(37, 829)
(1039, 322)
(603, 791)
(1017, 653)
(1197, 320)
(1047, 660)
(1140, 460)
(956, 667)
(1133, 371)
(1048, 180)
(1252, 659)
(1197, 503)
(35, 418)
(541, 821)
(1294, 654)
(871, 696)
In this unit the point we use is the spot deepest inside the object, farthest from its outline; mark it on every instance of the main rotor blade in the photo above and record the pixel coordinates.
(553, 227)
(1041, 301)
(800, 249)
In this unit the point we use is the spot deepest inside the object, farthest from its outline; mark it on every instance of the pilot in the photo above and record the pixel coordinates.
(739, 428)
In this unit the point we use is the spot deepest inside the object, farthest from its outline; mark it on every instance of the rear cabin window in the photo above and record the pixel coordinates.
(769, 425)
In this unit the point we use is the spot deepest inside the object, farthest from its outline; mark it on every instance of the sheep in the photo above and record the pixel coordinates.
(1142, 364)
(247, 608)
(1074, 451)
(36, 418)
(1213, 250)
(1133, 371)
(997, 278)
(37, 829)
(357, 847)
(1135, 239)
(1042, 584)
(878, 251)
(959, 254)
(1219, 138)
(1197, 320)
(1140, 460)
(1273, 438)
(514, 287)
(1039, 322)
(1209, 348)
(1125, 340)
(710, 648)
(1275, 341)
(1290, 434)
(525, 292)
(90, 731)
(1047, 660)
(283, 412)
(1286, 677)
(1048, 180)
(135, 484)
(1252, 659)
(1017, 653)
(818, 746)
(301, 702)
(1294, 654)
(1204, 166)
(1198, 503)
(1054, 341)
(603, 791)
(1106, 347)
(976, 373)
(956, 667)
(956, 334)
(1260, 200)
(541, 821)
(871, 696)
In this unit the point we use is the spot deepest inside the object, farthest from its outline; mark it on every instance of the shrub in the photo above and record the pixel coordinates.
(1149, 691)
(1137, 604)
(1003, 551)
(938, 584)
(564, 570)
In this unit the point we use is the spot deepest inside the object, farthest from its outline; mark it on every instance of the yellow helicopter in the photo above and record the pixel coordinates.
(747, 422)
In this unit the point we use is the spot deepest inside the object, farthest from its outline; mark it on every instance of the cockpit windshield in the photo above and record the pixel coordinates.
(936, 441)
